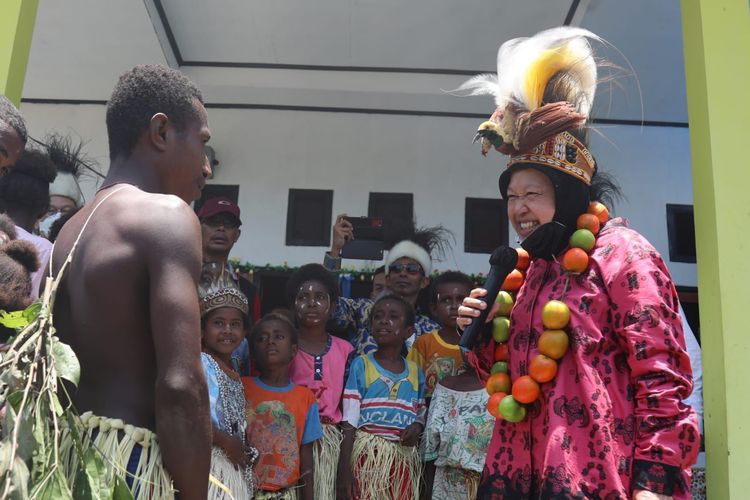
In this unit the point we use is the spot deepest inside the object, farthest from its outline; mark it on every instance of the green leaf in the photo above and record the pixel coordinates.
(13, 319)
(121, 490)
(56, 488)
(42, 436)
(31, 312)
(17, 473)
(66, 362)
(91, 481)
(14, 399)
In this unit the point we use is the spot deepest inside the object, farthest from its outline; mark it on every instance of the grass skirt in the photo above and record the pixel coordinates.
(116, 441)
(287, 494)
(227, 480)
(385, 469)
(326, 458)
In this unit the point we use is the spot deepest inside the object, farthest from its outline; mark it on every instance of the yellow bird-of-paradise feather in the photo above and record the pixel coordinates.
(548, 64)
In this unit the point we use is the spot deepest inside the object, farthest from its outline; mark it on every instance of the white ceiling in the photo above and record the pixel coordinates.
(239, 51)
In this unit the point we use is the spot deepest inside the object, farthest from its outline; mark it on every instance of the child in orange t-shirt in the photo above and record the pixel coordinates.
(437, 353)
(282, 418)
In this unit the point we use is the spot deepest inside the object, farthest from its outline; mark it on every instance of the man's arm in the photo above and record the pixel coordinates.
(183, 422)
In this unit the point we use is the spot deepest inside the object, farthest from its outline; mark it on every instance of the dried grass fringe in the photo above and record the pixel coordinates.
(115, 441)
(381, 467)
(228, 481)
(326, 458)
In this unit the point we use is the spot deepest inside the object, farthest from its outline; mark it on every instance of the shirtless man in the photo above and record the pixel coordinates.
(128, 303)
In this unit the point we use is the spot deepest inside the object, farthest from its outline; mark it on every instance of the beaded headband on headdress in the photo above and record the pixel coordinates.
(224, 297)
(217, 289)
(544, 88)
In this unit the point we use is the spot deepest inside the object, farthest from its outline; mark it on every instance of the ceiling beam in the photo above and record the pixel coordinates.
(164, 33)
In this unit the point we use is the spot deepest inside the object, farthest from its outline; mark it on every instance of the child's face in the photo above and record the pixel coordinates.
(224, 331)
(449, 298)
(312, 306)
(388, 324)
(272, 344)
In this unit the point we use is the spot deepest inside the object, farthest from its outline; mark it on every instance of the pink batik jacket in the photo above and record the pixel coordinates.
(612, 420)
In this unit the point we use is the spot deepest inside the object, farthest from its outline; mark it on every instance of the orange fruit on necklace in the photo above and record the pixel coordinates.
(542, 368)
(590, 222)
(598, 209)
(513, 281)
(493, 404)
(553, 343)
(498, 382)
(501, 352)
(555, 315)
(575, 260)
(525, 390)
(524, 259)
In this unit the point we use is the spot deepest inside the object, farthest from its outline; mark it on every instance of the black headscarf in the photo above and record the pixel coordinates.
(571, 200)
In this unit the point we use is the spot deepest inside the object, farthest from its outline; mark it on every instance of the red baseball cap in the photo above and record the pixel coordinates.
(221, 205)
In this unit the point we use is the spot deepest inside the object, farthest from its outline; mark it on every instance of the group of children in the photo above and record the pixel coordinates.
(316, 421)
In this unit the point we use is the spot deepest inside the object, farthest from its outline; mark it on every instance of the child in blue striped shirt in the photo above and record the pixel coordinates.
(383, 411)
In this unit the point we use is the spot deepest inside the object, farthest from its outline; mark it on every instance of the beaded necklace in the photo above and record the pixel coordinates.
(507, 398)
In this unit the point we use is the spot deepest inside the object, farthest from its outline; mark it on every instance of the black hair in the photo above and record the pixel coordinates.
(57, 226)
(448, 277)
(141, 93)
(380, 270)
(409, 314)
(604, 188)
(10, 115)
(67, 155)
(312, 272)
(8, 227)
(294, 335)
(27, 185)
(18, 259)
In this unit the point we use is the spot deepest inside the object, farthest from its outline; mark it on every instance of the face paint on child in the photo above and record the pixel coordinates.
(388, 322)
(313, 303)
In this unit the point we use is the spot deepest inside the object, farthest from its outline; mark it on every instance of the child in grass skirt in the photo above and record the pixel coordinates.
(320, 364)
(383, 412)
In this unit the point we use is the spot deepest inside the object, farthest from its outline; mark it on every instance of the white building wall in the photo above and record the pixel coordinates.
(267, 152)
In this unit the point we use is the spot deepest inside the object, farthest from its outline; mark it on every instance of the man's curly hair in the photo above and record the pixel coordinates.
(141, 93)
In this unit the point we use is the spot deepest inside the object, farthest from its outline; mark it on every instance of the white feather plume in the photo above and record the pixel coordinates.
(516, 57)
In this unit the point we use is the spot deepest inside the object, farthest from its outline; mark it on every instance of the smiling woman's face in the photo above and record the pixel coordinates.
(531, 201)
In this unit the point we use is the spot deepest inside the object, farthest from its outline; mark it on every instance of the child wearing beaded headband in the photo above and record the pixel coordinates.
(586, 387)
(223, 323)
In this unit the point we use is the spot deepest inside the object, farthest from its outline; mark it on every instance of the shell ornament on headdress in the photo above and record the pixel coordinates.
(543, 89)
(216, 289)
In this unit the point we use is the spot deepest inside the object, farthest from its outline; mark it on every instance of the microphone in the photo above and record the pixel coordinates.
(502, 262)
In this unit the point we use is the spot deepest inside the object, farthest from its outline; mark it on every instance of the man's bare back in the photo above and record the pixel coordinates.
(106, 306)
(128, 303)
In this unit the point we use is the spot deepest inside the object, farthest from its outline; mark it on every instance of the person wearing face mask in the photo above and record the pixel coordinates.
(594, 353)
(65, 195)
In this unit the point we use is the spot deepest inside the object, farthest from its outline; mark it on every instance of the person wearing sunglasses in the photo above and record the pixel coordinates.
(407, 269)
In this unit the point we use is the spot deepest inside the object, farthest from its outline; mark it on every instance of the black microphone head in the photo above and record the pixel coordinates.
(504, 257)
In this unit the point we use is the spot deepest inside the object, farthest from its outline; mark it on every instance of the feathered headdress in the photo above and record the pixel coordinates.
(68, 158)
(544, 88)
(217, 289)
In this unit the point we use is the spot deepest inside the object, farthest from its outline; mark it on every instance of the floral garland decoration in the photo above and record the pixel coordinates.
(507, 398)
